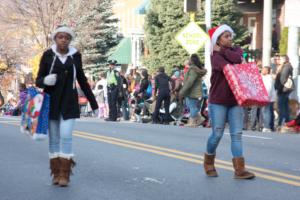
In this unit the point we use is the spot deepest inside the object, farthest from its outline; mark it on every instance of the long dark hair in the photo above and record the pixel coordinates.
(145, 74)
(194, 59)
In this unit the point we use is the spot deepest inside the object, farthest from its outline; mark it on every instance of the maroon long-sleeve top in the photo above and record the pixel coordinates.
(220, 92)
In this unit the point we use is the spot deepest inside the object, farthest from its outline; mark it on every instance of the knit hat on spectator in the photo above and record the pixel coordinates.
(63, 29)
(214, 34)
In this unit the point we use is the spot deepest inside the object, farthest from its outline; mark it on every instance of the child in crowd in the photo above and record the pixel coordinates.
(101, 102)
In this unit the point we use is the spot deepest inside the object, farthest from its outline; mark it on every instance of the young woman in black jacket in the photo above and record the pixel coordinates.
(60, 67)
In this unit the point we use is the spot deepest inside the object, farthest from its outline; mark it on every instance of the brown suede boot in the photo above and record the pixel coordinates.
(240, 171)
(209, 165)
(55, 166)
(65, 171)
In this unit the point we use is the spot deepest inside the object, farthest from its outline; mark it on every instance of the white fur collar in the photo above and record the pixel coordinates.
(72, 51)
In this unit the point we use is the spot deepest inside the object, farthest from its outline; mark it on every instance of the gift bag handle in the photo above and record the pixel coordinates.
(52, 65)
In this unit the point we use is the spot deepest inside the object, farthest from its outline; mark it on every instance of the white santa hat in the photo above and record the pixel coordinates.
(214, 34)
(63, 29)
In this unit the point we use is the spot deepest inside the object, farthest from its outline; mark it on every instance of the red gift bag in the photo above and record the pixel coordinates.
(246, 84)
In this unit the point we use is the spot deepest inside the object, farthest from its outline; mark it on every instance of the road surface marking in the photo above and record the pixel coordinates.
(186, 154)
(9, 121)
(219, 163)
(253, 136)
(83, 120)
(193, 158)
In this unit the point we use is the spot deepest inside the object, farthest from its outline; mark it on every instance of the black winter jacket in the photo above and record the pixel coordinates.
(162, 83)
(63, 97)
(143, 88)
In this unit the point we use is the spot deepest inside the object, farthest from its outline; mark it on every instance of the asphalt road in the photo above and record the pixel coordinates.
(128, 161)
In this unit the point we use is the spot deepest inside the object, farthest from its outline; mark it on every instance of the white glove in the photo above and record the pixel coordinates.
(50, 80)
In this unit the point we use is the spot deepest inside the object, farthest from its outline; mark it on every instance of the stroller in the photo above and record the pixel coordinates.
(140, 109)
(175, 110)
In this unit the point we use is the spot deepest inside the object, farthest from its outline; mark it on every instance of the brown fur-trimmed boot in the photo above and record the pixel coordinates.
(240, 171)
(209, 165)
(65, 171)
(54, 167)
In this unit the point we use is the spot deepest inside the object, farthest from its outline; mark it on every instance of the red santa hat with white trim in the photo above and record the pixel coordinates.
(214, 34)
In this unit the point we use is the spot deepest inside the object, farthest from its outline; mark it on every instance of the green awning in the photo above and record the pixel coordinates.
(122, 53)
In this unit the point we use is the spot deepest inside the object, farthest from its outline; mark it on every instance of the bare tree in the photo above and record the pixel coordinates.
(40, 17)
(26, 25)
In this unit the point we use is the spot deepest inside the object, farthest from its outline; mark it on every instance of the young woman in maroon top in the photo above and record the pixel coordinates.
(223, 106)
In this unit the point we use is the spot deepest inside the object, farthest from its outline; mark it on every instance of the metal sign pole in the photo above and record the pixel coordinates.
(207, 44)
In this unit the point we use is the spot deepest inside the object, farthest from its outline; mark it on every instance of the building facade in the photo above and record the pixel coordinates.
(253, 14)
(131, 26)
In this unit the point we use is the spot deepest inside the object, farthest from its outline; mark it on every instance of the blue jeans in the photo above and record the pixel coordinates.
(283, 106)
(60, 136)
(194, 106)
(267, 115)
(255, 118)
(219, 115)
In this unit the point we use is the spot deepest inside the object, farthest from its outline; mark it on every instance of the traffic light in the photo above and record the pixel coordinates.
(191, 5)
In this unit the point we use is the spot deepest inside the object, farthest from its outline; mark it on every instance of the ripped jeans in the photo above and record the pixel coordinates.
(219, 115)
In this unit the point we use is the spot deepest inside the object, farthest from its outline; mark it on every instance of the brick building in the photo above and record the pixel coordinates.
(253, 19)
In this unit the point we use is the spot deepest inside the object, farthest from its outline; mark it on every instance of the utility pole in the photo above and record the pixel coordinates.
(207, 45)
(191, 7)
(267, 32)
(291, 20)
(293, 45)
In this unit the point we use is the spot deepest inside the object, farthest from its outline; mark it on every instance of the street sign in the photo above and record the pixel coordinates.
(192, 38)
